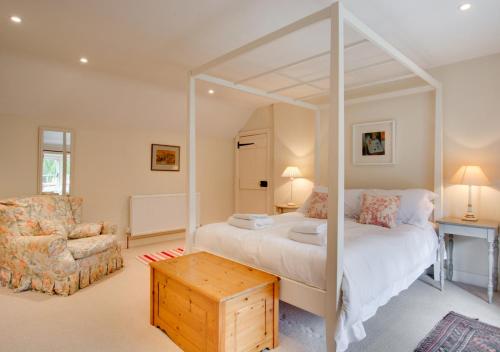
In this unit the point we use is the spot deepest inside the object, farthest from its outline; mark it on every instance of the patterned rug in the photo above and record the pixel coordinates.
(147, 258)
(457, 333)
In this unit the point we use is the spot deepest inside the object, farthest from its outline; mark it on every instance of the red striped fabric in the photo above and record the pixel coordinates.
(147, 258)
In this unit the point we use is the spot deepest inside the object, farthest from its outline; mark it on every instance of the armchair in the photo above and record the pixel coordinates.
(51, 262)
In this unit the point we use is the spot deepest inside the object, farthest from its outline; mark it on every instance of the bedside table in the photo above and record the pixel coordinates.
(285, 208)
(483, 229)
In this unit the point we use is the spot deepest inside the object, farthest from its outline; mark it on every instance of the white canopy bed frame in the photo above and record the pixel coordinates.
(325, 303)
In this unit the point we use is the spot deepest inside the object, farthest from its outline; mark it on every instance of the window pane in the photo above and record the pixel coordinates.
(68, 161)
(53, 141)
(68, 172)
(52, 173)
(52, 178)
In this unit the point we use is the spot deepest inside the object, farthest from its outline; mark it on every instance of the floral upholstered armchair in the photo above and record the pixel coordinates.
(44, 246)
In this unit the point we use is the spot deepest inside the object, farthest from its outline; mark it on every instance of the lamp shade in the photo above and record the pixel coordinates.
(470, 175)
(291, 172)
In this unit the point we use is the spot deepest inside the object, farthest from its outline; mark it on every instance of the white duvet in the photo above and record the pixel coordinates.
(378, 262)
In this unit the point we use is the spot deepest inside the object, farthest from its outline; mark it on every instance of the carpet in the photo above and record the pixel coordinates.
(458, 333)
(147, 258)
(300, 330)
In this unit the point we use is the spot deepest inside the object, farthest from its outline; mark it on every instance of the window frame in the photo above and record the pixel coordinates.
(65, 153)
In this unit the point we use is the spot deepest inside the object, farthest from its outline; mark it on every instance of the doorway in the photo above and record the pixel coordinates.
(253, 172)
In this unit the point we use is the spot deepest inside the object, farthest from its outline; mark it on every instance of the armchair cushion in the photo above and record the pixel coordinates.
(75, 204)
(53, 227)
(85, 247)
(85, 230)
(51, 208)
(108, 228)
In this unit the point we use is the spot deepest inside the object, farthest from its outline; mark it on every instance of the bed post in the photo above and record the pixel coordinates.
(335, 244)
(438, 170)
(438, 151)
(317, 147)
(191, 164)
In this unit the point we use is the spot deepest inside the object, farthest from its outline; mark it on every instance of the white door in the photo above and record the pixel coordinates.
(252, 173)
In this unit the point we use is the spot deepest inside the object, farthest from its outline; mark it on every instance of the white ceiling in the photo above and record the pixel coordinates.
(159, 39)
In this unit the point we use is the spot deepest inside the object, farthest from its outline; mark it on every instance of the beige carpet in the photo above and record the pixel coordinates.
(113, 315)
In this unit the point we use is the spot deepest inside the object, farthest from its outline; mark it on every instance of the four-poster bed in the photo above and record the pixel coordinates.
(325, 302)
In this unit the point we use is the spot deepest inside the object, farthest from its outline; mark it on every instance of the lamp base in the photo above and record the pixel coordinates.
(469, 216)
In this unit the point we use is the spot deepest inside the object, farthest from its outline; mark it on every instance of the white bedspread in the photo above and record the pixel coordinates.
(378, 262)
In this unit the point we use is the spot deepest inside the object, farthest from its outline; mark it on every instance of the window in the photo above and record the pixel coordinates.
(55, 161)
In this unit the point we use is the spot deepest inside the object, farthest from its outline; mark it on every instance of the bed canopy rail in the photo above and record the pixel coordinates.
(334, 85)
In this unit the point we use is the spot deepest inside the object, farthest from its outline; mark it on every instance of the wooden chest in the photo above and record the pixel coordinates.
(207, 303)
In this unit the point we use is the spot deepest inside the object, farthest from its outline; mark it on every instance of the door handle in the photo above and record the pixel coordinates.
(244, 144)
(263, 183)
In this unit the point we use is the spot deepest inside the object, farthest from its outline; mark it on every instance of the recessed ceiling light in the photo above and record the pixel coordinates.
(84, 60)
(464, 7)
(16, 19)
(211, 91)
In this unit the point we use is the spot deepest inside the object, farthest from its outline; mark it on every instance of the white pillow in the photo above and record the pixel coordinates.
(304, 207)
(352, 202)
(416, 204)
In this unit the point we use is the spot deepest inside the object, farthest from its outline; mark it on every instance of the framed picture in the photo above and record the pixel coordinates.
(374, 143)
(165, 157)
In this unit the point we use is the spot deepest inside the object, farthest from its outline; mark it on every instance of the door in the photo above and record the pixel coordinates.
(252, 172)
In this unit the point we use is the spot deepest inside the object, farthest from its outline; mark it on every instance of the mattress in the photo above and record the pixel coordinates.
(378, 262)
(268, 249)
(271, 250)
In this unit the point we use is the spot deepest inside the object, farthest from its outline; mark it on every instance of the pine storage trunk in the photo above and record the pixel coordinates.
(207, 303)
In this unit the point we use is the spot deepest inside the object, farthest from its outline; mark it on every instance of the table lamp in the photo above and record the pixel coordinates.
(291, 172)
(472, 176)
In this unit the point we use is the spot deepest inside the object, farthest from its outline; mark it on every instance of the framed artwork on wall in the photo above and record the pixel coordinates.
(373, 143)
(165, 157)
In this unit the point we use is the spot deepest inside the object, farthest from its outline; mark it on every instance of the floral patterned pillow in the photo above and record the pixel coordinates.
(52, 227)
(318, 206)
(85, 230)
(379, 210)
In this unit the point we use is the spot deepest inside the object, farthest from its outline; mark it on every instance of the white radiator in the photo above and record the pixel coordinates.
(157, 213)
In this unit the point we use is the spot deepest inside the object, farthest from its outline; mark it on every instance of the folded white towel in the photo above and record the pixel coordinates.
(250, 224)
(310, 227)
(319, 240)
(250, 216)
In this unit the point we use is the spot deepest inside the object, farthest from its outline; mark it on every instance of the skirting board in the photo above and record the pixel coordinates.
(471, 279)
(171, 233)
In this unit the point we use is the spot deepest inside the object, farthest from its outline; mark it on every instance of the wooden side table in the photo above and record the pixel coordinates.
(285, 208)
(483, 229)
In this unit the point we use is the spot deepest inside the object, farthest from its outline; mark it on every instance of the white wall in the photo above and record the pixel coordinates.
(414, 116)
(114, 120)
(292, 144)
(472, 130)
(472, 135)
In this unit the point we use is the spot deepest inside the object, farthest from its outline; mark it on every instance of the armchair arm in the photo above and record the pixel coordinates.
(49, 246)
(108, 228)
(41, 254)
